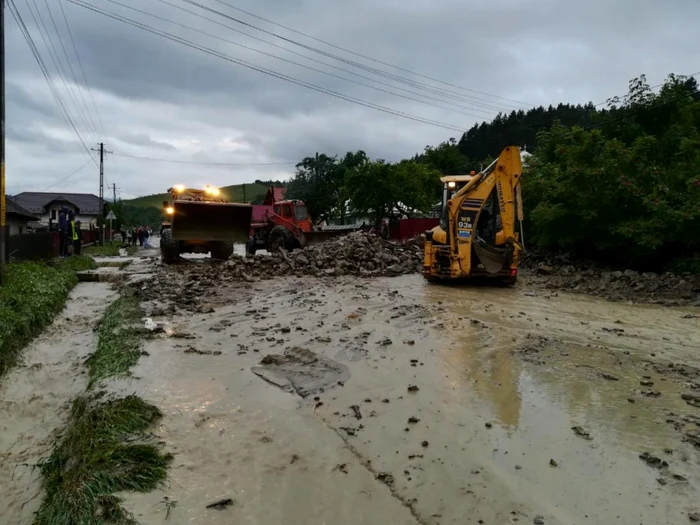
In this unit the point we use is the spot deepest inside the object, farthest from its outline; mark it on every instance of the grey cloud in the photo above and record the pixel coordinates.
(160, 99)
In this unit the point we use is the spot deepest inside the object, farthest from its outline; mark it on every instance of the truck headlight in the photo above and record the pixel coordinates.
(169, 210)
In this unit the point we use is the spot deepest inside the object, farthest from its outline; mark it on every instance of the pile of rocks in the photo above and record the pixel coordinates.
(648, 287)
(358, 253)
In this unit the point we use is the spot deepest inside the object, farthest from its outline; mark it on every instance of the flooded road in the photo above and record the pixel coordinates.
(456, 405)
(35, 397)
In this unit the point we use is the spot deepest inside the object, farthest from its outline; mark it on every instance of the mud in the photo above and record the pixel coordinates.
(35, 396)
(456, 404)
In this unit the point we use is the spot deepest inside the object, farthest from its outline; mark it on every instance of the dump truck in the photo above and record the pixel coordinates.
(288, 225)
(477, 237)
(202, 221)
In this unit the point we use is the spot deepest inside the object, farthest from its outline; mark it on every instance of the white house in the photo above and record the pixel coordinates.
(18, 219)
(47, 206)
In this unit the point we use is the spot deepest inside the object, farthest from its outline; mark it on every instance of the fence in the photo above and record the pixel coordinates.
(407, 228)
(32, 246)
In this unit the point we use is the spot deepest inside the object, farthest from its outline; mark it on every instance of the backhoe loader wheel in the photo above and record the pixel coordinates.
(222, 250)
(280, 237)
(250, 247)
(169, 251)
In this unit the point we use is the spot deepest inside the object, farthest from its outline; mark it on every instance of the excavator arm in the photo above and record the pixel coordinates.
(481, 217)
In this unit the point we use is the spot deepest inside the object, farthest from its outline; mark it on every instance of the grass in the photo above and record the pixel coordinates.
(119, 342)
(93, 460)
(233, 193)
(33, 294)
(107, 250)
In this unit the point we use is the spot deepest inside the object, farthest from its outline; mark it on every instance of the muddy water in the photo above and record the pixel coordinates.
(486, 435)
(34, 398)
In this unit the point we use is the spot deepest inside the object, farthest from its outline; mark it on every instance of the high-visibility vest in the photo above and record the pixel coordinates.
(75, 232)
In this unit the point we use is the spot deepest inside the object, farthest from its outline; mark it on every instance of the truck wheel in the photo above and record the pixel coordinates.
(222, 250)
(250, 247)
(280, 237)
(169, 251)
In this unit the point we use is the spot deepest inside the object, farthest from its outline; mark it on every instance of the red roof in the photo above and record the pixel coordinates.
(274, 195)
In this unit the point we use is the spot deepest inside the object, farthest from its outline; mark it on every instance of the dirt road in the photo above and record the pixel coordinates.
(386, 400)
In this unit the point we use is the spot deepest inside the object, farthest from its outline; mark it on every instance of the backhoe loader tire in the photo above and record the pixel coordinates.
(222, 250)
(169, 251)
(250, 247)
(280, 237)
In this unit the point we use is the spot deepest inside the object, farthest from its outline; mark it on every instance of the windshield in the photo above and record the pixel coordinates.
(300, 212)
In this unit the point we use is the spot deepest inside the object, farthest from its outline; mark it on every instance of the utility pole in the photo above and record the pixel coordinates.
(102, 190)
(2, 142)
(114, 194)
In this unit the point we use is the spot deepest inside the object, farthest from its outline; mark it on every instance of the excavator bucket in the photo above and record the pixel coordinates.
(493, 259)
(211, 221)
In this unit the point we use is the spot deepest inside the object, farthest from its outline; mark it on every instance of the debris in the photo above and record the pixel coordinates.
(539, 520)
(489, 424)
(579, 431)
(653, 461)
(413, 419)
(386, 478)
(646, 382)
(553, 463)
(609, 377)
(356, 410)
(424, 444)
(691, 399)
(221, 504)
(694, 516)
(409, 342)
(342, 467)
(413, 388)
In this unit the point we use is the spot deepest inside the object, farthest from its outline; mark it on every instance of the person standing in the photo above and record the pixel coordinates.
(77, 238)
(140, 235)
(62, 230)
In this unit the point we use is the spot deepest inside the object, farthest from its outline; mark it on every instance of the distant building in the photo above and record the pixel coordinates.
(47, 206)
(18, 219)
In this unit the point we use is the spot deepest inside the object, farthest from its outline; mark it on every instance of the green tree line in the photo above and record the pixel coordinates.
(618, 185)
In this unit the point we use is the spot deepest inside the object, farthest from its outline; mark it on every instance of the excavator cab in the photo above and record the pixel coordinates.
(477, 236)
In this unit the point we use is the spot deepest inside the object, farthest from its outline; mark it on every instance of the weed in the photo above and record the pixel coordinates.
(92, 461)
(118, 345)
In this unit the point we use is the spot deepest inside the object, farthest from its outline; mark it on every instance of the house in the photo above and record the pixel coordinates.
(47, 206)
(17, 218)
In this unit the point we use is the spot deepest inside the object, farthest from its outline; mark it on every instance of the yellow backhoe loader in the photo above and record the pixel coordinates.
(477, 235)
(201, 221)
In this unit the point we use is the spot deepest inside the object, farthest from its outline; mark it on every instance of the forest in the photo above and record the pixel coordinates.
(616, 185)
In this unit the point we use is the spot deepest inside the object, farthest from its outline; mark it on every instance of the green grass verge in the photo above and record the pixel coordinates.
(31, 297)
(92, 461)
(107, 250)
(119, 342)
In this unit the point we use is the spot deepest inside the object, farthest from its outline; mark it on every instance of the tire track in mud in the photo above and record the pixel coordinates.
(367, 464)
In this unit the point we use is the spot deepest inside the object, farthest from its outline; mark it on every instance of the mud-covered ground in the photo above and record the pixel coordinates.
(387, 400)
(380, 400)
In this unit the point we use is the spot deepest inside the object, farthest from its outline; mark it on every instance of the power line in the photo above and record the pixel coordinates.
(370, 58)
(55, 58)
(45, 72)
(286, 49)
(375, 71)
(269, 72)
(67, 176)
(206, 163)
(299, 64)
(80, 64)
(90, 120)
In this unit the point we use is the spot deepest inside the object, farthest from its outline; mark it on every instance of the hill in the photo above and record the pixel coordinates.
(253, 193)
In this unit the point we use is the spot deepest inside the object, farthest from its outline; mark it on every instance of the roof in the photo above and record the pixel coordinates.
(274, 195)
(36, 202)
(12, 208)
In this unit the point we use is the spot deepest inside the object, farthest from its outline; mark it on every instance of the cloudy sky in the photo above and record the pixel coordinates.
(160, 99)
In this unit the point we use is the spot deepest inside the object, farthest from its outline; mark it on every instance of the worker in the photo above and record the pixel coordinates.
(62, 230)
(77, 238)
(70, 234)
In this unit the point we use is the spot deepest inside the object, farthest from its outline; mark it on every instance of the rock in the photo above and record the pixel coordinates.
(653, 461)
(413, 388)
(579, 431)
(413, 419)
(609, 377)
(424, 444)
(356, 411)
(544, 269)
(694, 516)
(553, 463)
(488, 424)
(539, 520)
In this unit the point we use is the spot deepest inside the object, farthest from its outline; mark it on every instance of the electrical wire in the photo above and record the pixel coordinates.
(375, 71)
(80, 64)
(485, 115)
(90, 120)
(45, 72)
(266, 71)
(206, 163)
(520, 103)
(68, 176)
